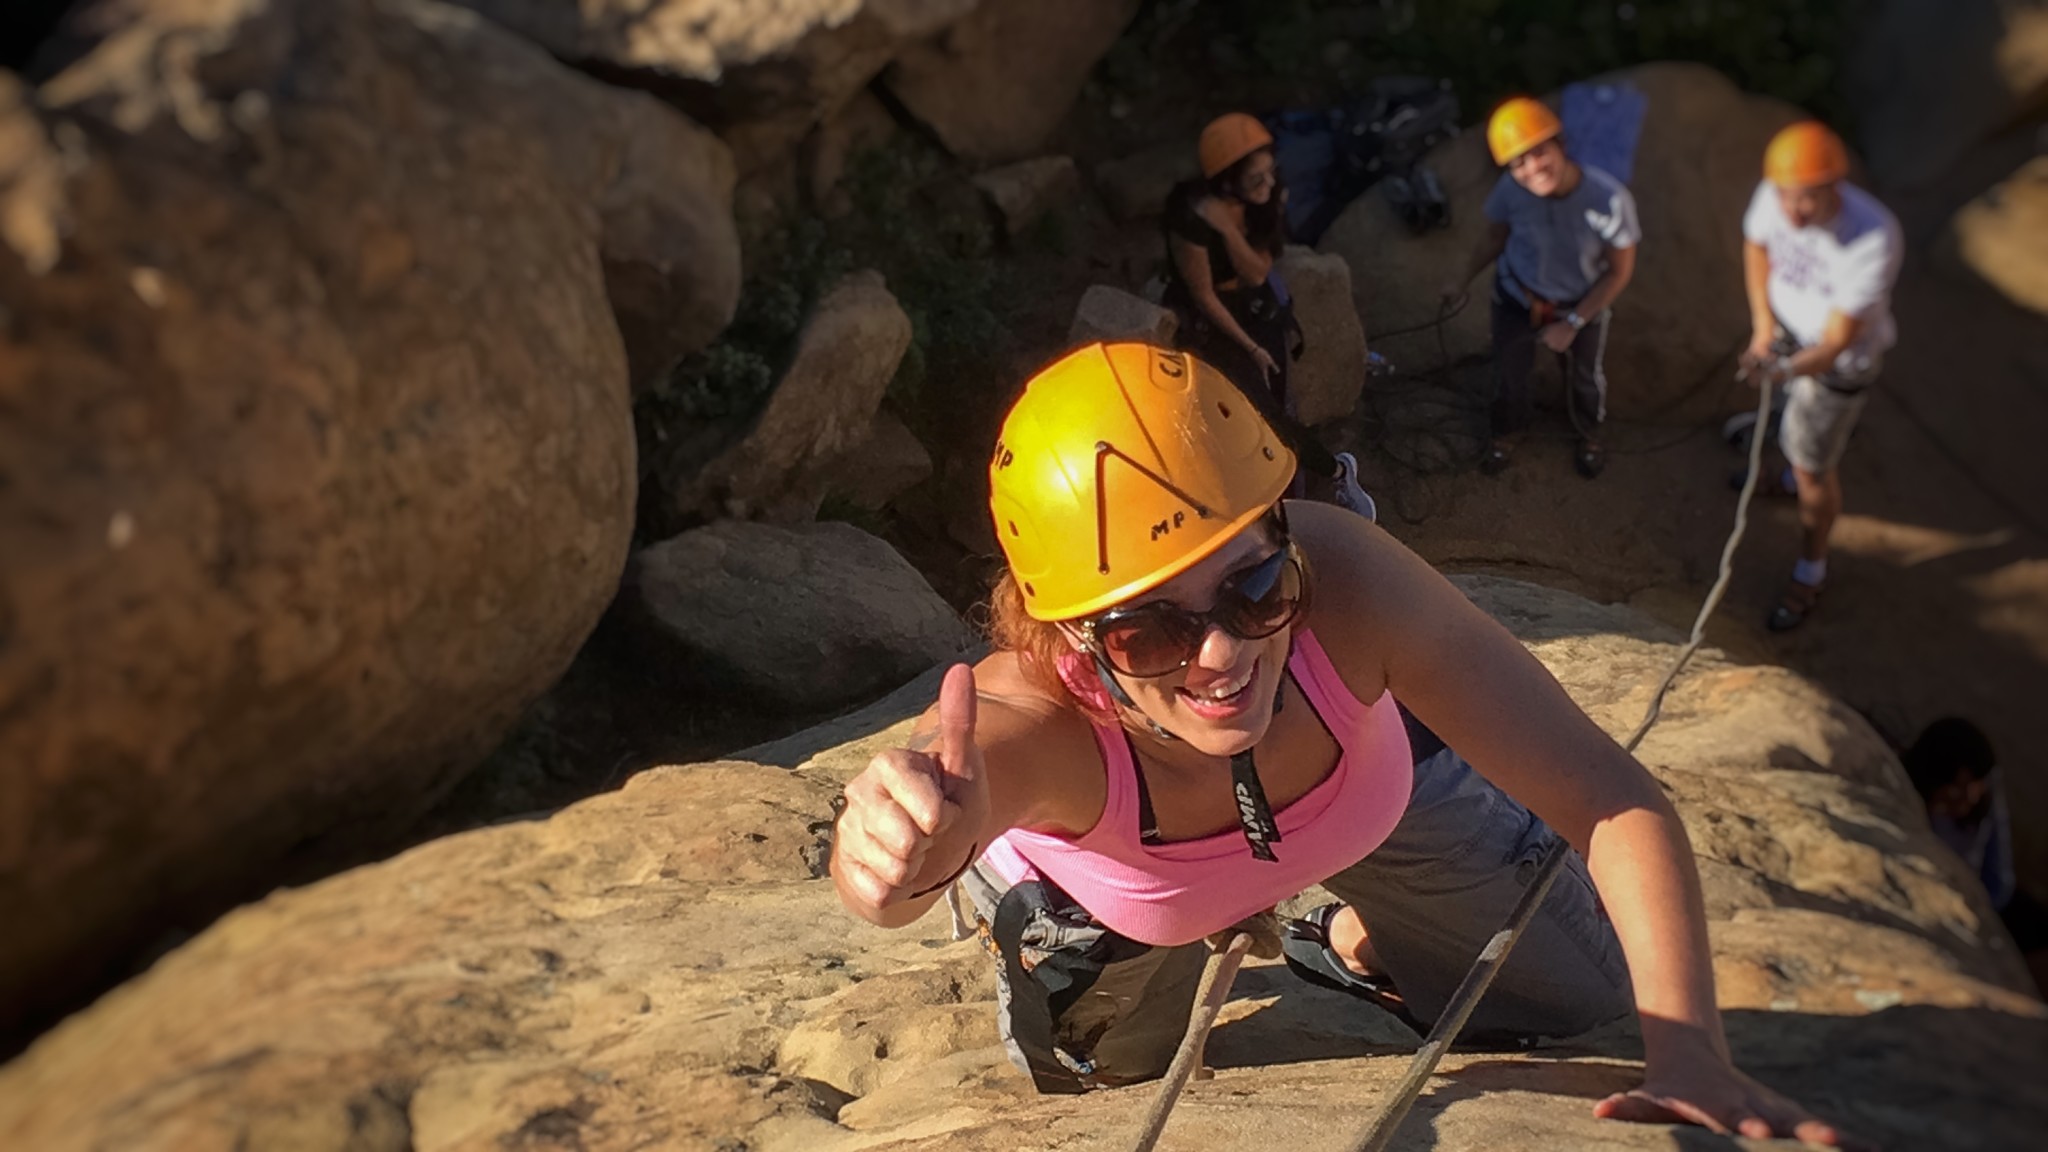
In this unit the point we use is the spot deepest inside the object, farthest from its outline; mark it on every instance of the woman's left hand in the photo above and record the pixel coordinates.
(1212, 210)
(1708, 1091)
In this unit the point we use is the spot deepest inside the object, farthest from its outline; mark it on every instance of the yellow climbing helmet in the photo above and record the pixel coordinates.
(1122, 466)
(1519, 124)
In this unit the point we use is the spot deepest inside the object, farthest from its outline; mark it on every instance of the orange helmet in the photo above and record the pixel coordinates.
(1805, 155)
(1229, 138)
(1122, 466)
(1519, 125)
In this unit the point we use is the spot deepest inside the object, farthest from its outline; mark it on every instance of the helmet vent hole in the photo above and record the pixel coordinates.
(1013, 529)
(1223, 408)
(1268, 451)
(1029, 590)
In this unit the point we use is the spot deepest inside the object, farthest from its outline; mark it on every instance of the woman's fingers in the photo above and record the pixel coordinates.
(1640, 1107)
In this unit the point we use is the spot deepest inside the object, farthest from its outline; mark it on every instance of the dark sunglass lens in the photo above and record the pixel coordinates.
(1264, 601)
(1150, 643)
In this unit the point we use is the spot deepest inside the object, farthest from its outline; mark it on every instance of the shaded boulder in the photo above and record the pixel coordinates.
(1324, 384)
(887, 462)
(666, 964)
(319, 463)
(1929, 81)
(863, 124)
(1682, 319)
(2002, 236)
(1025, 191)
(996, 82)
(1136, 186)
(1112, 314)
(761, 75)
(791, 619)
(820, 410)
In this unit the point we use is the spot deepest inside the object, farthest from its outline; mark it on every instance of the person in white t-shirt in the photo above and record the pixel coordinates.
(1820, 256)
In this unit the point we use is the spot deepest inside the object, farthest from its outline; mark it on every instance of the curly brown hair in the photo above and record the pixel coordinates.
(1044, 654)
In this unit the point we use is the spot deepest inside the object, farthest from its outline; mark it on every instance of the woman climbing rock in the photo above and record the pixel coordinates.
(1224, 235)
(1205, 698)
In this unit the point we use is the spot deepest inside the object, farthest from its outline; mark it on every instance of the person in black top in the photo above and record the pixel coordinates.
(1224, 234)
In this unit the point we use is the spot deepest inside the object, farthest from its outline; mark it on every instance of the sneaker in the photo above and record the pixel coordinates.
(1349, 494)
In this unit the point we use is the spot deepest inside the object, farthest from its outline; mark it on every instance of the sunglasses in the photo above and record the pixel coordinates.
(1158, 638)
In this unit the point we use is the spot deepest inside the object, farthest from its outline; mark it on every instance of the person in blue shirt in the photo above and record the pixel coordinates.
(1955, 770)
(1562, 237)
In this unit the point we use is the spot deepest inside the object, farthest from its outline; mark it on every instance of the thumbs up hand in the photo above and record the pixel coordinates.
(913, 815)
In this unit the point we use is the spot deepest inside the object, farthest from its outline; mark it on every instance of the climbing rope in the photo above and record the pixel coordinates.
(1223, 969)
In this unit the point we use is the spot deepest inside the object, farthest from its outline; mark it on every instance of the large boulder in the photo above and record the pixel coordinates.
(1681, 320)
(761, 74)
(798, 620)
(1025, 191)
(1112, 314)
(819, 412)
(1324, 384)
(318, 456)
(666, 965)
(1929, 81)
(995, 84)
(2002, 236)
(889, 461)
(1136, 186)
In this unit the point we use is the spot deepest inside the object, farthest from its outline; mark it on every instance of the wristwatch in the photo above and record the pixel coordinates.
(1577, 321)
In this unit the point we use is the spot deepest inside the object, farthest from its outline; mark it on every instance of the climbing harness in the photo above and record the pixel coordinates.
(1379, 1135)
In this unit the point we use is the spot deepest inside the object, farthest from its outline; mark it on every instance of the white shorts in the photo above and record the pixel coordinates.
(1815, 428)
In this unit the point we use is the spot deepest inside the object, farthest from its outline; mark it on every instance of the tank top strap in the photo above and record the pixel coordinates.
(1326, 691)
(1119, 821)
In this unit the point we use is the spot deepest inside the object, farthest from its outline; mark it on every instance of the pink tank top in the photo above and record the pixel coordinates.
(1179, 892)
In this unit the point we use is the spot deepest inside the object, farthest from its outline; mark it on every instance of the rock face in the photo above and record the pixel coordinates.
(996, 83)
(798, 619)
(2003, 236)
(1324, 384)
(664, 966)
(1111, 314)
(1928, 82)
(318, 455)
(889, 461)
(820, 410)
(1678, 324)
(778, 69)
(1024, 191)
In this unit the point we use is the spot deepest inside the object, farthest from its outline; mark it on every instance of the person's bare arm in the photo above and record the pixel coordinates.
(1250, 265)
(976, 766)
(1840, 332)
(1390, 618)
(1193, 263)
(1621, 268)
(1756, 282)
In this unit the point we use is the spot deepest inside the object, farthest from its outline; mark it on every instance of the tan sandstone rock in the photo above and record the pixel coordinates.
(1929, 81)
(2002, 236)
(820, 410)
(1024, 191)
(798, 619)
(1678, 325)
(318, 457)
(1324, 384)
(1112, 314)
(660, 966)
(995, 83)
(889, 461)
(778, 68)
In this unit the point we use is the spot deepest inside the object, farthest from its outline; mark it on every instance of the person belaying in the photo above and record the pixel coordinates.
(1562, 238)
(1819, 256)
(1204, 698)
(1224, 236)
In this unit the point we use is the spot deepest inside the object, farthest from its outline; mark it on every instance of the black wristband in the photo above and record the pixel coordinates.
(973, 854)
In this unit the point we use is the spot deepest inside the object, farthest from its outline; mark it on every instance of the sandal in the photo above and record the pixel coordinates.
(1798, 603)
(1305, 944)
(1591, 459)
